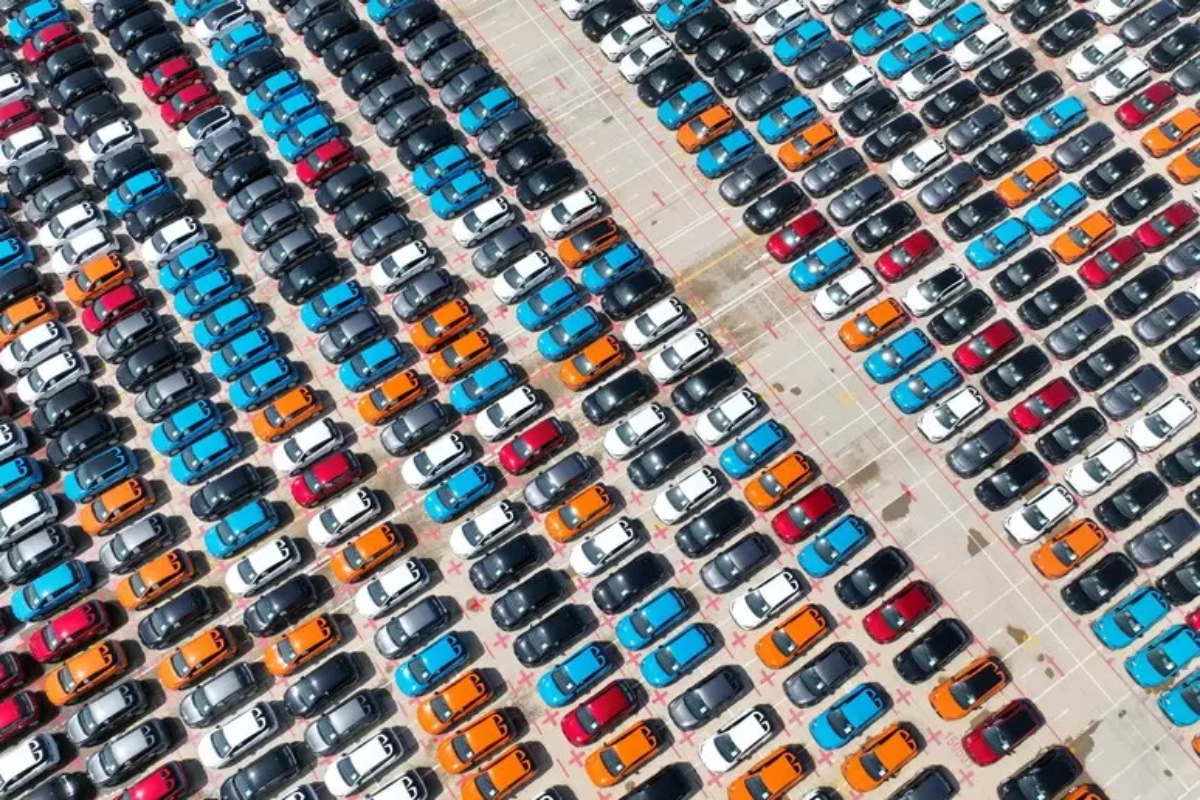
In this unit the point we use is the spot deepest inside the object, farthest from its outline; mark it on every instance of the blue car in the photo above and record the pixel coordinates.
(925, 386)
(202, 458)
(754, 449)
(726, 153)
(380, 11)
(245, 352)
(239, 43)
(206, 293)
(444, 166)
(898, 356)
(136, 190)
(999, 243)
(1164, 657)
(1181, 704)
(879, 32)
(185, 267)
(679, 656)
(820, 265)
(849, 716)
(334, 304)
(290, 110)
(1130, 618)
(20, 475)
(834, 547)
(907, 54)
(494, 104)
(263, 384)
(958, 25)
(460, 194)
(801, 41)
(619, 262)
(689, 101)
(548, 304)
(273, 90)
(459, 493)
(483, 386)
(189, 12)
(107, 468)
(571, 333)
(305, 136)
(225, 322)
(371, 364)
(790, 117)
(185, 426)
(52, 590)
(652, 619)
(14, 253)
(1056, 208)
(430, 666)
(240, 528)
(569, 679)
(1065, 115)
(35, 16)
(673, 13)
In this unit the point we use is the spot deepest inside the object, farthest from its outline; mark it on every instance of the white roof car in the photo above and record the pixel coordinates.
(35, 346)
(26, 761)
(82, 248)
(344, 516)
(112, 138)
(951, 415)
(482, 220)
(438, 458)
(391, 588)
(1100, 468)
(409, 786)
(508, 413)
(566, 215)
(52, 376)
(1039, 515)
(1115, 10)
(363, 764)
(681, 355)
(1003, 6)
(844, 292)
(636, 431)
(656, 323)
(574, 9)
(755, 606)
(918, 163)
(728, 416)
(25, 144)
(205, 126)
(682, 498)
(220, 19)
(735, 741)
(238, 736)
(307, 445)
(26, 515)
(265, 564)
(979, 46)
(1161, 423)
(842, 90)
(924, 78)
(618, 43)
(401, 265)
(750, 10)
(920, 12)
(602, 549)
(929, 295)
(1095, 56)
(1120, 80)
(785, 17)
(649, 6)
(517, 281)
(645, 57)
(171, 238)
(13, 441)
(480, 532)
(65, 224)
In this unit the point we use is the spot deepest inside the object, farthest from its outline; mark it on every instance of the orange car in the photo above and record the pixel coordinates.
(594, 362)
(463, 353)
(772, 777)
(475, 743)
(155, 579)
(97, 277)
(793, 637)
(441, 325)
(579, 513)
(1067, 549)
(302, 646)
(453, 703)
(1185, 167)
(285, 414)
(622, 755)
(115, 505)
(812, 143)
(505, 775)
(880, 758)
(86, 672)
(709, 126)
(1083, 237)
(1167, 136)
(1027, 182)
(1087, 791)
(870, 326)
(977, 681)
(778, 481)
(196, 658)
(585, 244)
(23, 315)
(356, 560)
(391, 397)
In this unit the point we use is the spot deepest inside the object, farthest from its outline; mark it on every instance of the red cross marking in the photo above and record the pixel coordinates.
(658, 698)
(967, 777)
(610, 465)
(522, 341)
(524, 679)
(459, 257)
(550, 718)
(500, 640)
(825, 759)
(795, 717)
(684, 568)
(440, 230)
(935, 736)
(903, 696)
(501, 312)
(351, 401)
(330, 371)
(712, 603)
(845, 620)
(873, 658)
(737, 639)
(577, 758)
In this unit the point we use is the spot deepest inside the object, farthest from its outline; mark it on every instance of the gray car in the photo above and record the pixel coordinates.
(216, 698)
(706, 699)
(53, 198)
(415, 426)
(1158, 325)
(404, 118)
(119, 341)
(949, 187)
(501, 249)
(168, 393)
(350, 335)
(219, 150)
(422, 293)
(379, 99)
(1163, 539)
(270, 224)
(1078, 333)
(107, 714)
(859, 200)
(736, 563)
(415, 625)
(381, 238)
(256, 196)
(1130, 394)
(506, 131)
(33, 555)
(556, 482)
(126, 754)
(290, 249)
(330, 732)
(975, 129)
(1083, 147)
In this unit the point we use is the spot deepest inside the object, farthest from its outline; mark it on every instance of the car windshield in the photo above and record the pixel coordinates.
(838, 295)
(727, 748)
(666, 660)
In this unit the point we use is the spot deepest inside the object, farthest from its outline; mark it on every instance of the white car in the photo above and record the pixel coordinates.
(757, 605)
(1100, 468)
(844, 293)
(26, 761)
(602, 549)
(26, 144)
(842, 90)
(636, 431)
(681, 355)
(728, 417)
(923, 79)
(656, 323)
(409, 786)
(628, 35)
(1120, 80)
(734, 742)
(682, 498)
(645, 57)
(517, 281)
(918, 163)
(364, 763)
(307, 445)
(82, 248)
(1162, 422)
(1003, 6)
(13, 441)
(205, 126)
(171, 239)
(35, 346)
(112, 138)
(482, 220)
(391, 588)
(508, 413)
(927, 296)
(344, 516)
(779, 21)
(750, 10)
(951, 415)
(1095, 56)
(435, 460)
(68, 223)
(1112, 11)
(224, 17)
(480, 532)
(979, 46)
(1029, 522)
(52, 376)
(401, 265)
(574, 9)
(920, 12)
(263, 566)
(562, 218)
(229, 742)
(13, 86)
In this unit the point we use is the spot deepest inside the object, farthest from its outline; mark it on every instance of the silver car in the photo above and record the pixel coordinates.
(330, 732)
(107, 714)
(130, 546)
(127, 753)
(28, 557)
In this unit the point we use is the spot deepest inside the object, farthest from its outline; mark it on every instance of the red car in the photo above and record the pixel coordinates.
(320, 164)
(12, 672)
(113, 305)
(1193, 620)
(17, 116)
(999, 734)
(186, 104)
(533, 446)
(68, 632)
(1166, 226)
(18, 714)
(806, 514)
(798, 235)
(1032, 413)
(900, 612)
(48, 41)
(1146, 105)
(978, 352)
(589, 721)
(166, 783)
(1116, 259)
(327, 477)
(908, 256)
(169, 77)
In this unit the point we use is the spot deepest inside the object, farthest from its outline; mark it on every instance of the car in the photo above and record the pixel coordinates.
(1131, 502)
(849, 716)
(1162, 539)
(736, 741)
(833, 547)
(1132, 392)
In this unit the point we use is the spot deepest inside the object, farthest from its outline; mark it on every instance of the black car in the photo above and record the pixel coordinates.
(1112, 573)
(1067, 33)
(1052, 303)
(405, 118)
(357, 215)
(37, 172)
(1010, 481)
(557, 482)
(606, 17)
(419, 145)
(1184, 260)
(1181, 466)
(467, 86)
(111, 171)
(1071, 436)
(1023, 274)
(248, 72)
(548, 638)
(344, 185)
(774, 208)
(697, 31)
(153, 51)
(1003, 154)
(1112, 173)
(501, 249)
(869, 111)
(620, 395)
(664, 80)
(1131, 502)
(931, 783)
(282, 606)
(309, 277)
(1183, 355)
(108, 15)
(154, 213)
(62, 63)
(859, 200)
(1083, 147)
(317, 689)
(506, 132)
(217, 151)
(822, 675)
(261, 777)
(833, 172)
(304, 13)
(422, 293)
(171, 620)
(961, 317)
(135, 30)
(1016, 373)
(1132, 297)
(1032, 95)
(503, 564)
(705, 387)
(17, 284)
(765, 95)
(409, 19)
(337, 22)
(974, 216)
(1146, 25)
(948, 188)
(1029, 15)
(733, 565)
(415, 426)
(387, 95)
(950, 104)
(223, 494)
(661, 460)
(706, 699)
(1133, 392)
(1139, 200)
(893, 137)
(92, 114)
(1174, 48)
(524, 157)
(732, 78)
(369, 71)
(850, 14)
(1048, 775)
(885, 227)
(520, 604)
(628, 583)
(442, 65)
(932, 651)
(976, 128)
(381, 237)
(824, 64)
(630, 295)
(547, 184)
(1166, 318)
(66, 407)
(721, 49)
(297, 245)
(1181, 584)
(871, 577)
(1079, 333)
(1163, 539)
(240, 173)
(711, 527)
(263, 193)
(980, 450)
(77, 86)
(1109, 359)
